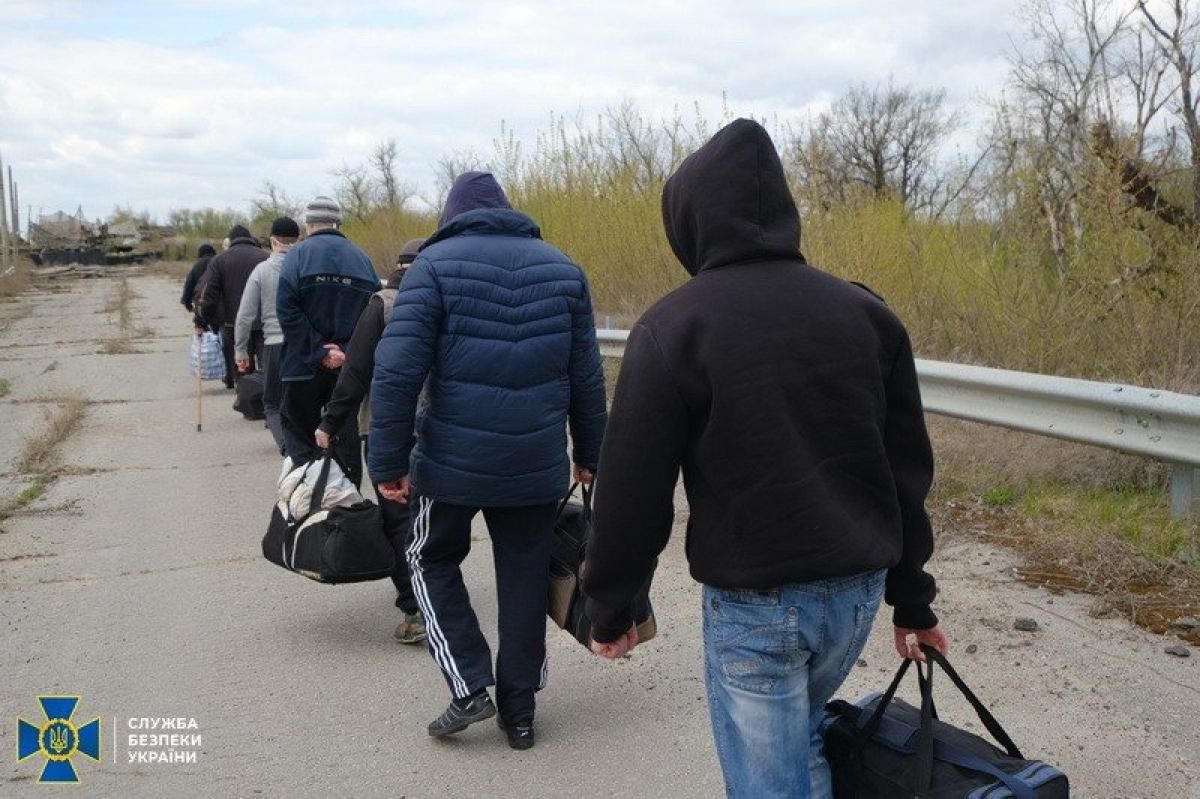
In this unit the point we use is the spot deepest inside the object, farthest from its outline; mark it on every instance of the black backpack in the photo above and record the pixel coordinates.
(566, 601)
(338, 545)
(881, 747)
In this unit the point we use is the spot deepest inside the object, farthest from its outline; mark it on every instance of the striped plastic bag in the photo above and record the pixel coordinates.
(205, 359)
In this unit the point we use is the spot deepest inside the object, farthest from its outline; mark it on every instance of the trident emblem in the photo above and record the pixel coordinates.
(59, 735)
(58, 739)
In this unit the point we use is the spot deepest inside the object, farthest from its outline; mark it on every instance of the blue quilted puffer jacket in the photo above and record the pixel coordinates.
(496, 325)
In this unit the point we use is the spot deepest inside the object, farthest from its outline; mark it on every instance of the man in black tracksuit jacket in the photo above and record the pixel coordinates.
(351, 396)
(789, 399)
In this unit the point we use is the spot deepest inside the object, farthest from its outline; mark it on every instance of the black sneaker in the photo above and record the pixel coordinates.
(461, 714)
(520, 733)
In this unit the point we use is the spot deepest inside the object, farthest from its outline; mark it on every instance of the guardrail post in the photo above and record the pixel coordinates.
(1183, 490)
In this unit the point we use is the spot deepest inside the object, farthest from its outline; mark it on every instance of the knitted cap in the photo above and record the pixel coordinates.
(323, 209)
(408, 253)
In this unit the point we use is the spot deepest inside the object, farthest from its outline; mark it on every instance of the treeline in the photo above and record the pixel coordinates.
(1067, 242)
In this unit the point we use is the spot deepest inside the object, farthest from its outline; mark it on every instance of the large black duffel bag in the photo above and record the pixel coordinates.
(566, 602)
(330, 545)
(882, 747)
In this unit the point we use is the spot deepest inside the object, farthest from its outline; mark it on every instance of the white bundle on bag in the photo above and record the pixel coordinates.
(296, 484)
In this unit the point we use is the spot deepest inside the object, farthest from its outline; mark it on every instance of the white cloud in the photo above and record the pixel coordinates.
(290, 90)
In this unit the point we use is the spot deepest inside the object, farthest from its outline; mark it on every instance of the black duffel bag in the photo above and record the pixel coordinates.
(566, 601)
(249, 402)
(335, 545)
(883, 747)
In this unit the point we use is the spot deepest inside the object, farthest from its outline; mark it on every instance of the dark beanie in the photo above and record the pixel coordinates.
(408, 253)
(238, 232)
(285, 228)
(206, 249)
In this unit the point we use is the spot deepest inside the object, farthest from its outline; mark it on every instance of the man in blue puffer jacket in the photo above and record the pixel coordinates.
(496, 325)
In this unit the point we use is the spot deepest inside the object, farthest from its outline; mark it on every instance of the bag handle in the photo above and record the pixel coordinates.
(562, 505)
(587, 500)
(318, 492)
(922, 774)
(989, 721)
(867, 730)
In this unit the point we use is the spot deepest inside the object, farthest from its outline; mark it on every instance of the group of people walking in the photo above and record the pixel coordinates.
(787, 397)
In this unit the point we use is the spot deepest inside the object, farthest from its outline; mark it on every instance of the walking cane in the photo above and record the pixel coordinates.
(199, 382)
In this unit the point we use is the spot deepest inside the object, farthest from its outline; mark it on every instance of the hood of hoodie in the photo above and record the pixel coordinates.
(472, 191)
(729, 202)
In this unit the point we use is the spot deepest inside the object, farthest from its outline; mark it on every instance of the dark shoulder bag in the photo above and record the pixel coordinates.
(882, 747)
(566, 603)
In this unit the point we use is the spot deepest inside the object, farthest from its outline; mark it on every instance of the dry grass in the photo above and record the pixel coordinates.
(1124, 577)
(39, 453)
(176, 270)
(27, 496)
(116, 346)
(1084, 519)
(384, 232)
(15, 281)
(121, 305)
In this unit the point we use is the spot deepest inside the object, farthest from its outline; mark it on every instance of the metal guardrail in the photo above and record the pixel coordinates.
(1163, 425)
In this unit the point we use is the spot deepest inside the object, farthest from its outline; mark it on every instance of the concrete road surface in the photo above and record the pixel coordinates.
(136, 582)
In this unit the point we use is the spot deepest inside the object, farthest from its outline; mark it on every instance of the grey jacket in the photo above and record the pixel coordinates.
(258, 305)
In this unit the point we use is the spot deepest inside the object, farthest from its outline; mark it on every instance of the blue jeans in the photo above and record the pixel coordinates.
(772, 660)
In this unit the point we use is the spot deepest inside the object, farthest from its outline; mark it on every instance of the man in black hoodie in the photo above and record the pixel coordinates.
(789, 399)
(203, 256)
(224, 282)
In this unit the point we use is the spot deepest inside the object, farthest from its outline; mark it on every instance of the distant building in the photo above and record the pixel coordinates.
(125, 230)
(59, 229)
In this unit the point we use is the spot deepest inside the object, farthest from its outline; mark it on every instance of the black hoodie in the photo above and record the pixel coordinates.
(788, 397)
(205, 255)
(226, 277)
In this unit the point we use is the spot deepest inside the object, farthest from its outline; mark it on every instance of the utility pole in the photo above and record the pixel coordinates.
(16, 212)
(5, 248)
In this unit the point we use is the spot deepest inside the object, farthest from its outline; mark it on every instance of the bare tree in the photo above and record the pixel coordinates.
(354, 190)
(1063, 87)
(1143, 67)
(637, 147)
(1177, 40)
(393, 192)
(272, 202)
(883, 138)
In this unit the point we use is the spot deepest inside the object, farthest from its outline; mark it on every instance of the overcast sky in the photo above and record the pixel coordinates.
(164, 105)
